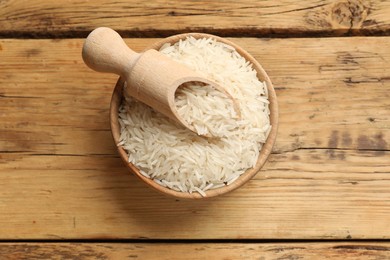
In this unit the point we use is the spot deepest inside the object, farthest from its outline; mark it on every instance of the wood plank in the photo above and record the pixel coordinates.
(43, 18)
(334, 250)
(327, 178)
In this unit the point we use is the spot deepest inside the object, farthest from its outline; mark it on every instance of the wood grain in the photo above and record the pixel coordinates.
(328, 176)
(195, 251)
(43, 18)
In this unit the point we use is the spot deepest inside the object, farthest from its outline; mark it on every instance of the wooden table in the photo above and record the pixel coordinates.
(324, 192)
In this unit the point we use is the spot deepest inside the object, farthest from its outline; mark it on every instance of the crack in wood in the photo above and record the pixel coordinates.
(297, 10)
(363, 247)
(7, 96)
(328, 148)
(62, 155)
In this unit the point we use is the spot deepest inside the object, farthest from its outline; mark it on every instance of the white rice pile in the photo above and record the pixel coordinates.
(179, 159)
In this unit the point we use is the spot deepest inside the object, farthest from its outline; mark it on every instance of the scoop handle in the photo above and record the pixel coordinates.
(105, 51)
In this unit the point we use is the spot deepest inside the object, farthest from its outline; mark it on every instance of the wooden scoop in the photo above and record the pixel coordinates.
(151, 77)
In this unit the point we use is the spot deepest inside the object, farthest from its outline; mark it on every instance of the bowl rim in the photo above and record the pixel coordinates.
(248, 174)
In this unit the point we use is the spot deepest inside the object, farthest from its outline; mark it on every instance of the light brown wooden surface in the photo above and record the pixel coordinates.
(152, 18)
(248, 251)
(328, 177)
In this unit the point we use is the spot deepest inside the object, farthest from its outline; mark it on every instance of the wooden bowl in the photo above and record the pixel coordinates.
(264, 153)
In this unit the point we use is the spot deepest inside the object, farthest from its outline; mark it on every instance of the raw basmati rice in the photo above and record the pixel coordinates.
(181, 160)
(209, 111)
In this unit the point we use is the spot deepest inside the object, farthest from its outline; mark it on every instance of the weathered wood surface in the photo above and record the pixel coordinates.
(329, 175)
(189, 251)
(43, 18)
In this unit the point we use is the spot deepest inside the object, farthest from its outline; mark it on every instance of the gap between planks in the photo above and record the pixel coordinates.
(334, 250)
(232, 33)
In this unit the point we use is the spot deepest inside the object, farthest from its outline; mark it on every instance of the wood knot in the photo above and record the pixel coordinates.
(348, 14)
(340, 17)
